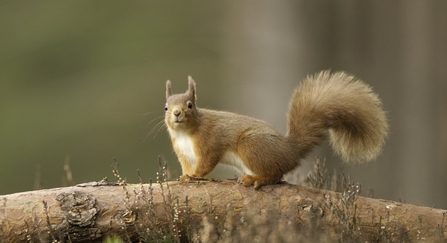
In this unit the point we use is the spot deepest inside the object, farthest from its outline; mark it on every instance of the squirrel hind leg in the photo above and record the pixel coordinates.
(257, 181)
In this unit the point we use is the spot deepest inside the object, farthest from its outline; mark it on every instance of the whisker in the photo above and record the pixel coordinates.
(154, 120)
(156, 128)
(147, 113)
(159, 128)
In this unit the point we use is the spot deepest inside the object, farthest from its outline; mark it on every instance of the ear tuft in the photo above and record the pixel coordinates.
(168, 89)
(192, 88)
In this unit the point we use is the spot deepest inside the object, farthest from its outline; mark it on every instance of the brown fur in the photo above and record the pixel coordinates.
(336, 104)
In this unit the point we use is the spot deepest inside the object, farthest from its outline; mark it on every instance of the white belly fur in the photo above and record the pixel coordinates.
(233, 160)
(185, 146)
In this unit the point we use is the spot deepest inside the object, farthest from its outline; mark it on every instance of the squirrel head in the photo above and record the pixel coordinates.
(181, 111)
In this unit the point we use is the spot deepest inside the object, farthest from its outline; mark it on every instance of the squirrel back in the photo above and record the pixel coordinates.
(336, 104)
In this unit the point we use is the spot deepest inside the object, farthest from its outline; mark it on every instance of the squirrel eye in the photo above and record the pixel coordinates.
(189, 105)
(166, 108)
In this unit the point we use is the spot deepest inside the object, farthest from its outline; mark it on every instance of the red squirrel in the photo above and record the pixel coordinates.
(337, 106)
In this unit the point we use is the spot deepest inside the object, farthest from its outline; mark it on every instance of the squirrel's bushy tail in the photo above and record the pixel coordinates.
(345, 107)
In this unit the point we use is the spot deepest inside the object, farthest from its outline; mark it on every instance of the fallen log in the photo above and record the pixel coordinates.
(211, 211)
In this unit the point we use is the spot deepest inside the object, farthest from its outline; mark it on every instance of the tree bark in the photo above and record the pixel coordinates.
(204, 211)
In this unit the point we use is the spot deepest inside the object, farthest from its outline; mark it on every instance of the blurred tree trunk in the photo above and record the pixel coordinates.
(210, 212)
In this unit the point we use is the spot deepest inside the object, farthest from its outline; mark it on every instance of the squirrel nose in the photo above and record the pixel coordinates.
(176, 112)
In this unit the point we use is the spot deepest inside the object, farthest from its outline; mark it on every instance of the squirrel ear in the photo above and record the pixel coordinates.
(168, 89)
(192, 88)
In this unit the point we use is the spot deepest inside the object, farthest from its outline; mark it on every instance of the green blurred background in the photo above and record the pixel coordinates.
(83, 82)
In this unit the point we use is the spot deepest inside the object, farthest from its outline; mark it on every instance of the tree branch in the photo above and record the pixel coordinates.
(211, 211)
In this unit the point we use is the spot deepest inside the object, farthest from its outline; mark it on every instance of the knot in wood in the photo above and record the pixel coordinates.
(79, 208)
